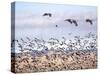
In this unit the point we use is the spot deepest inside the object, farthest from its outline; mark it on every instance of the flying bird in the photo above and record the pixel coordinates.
(47, 14)
(74, 21)
(90, 21)
(69, 20)
(56, 25)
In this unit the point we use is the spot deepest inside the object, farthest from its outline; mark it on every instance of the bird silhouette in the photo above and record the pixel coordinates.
(90, 21)
(74, 21)
(56, 25)
(47, 14)
(69, 20)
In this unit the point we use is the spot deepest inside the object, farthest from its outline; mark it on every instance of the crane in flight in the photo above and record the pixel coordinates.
(75, 22)
(89, 21)
(71, 21)
(47, 14)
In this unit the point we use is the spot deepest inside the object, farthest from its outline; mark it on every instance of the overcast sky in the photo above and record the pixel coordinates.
(31, 13)
(29, 19)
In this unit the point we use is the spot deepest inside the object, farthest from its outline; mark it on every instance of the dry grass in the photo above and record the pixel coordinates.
(54, 62)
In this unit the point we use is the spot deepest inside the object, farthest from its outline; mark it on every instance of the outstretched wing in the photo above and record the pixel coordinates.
(69, 20)
(47, 14)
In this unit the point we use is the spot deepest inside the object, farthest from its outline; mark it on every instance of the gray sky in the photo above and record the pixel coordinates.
(29, 19)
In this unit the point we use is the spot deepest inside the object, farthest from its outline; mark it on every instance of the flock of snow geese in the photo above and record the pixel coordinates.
(37, 44)
(71, 21)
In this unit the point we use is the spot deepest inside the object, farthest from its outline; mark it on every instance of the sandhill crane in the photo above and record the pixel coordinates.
(89, 20)
(69, 20)
(74, 21)
(47, 14)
